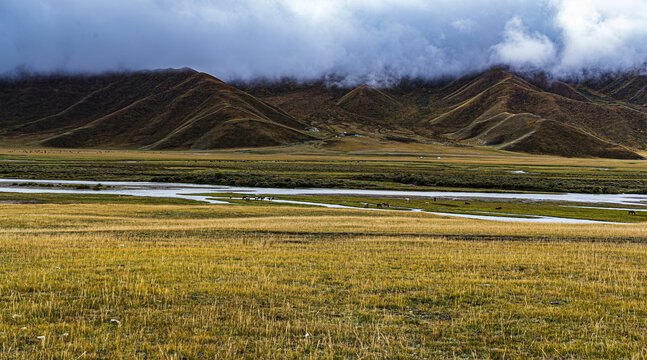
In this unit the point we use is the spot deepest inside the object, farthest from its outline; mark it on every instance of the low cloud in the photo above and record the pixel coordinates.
(522, 49)
(359, 41)
(600, 35)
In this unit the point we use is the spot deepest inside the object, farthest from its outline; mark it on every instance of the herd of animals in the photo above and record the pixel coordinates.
(366, 205)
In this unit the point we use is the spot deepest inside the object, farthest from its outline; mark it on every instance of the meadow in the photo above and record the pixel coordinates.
(420, 167)
(143, 279)
(97, 276)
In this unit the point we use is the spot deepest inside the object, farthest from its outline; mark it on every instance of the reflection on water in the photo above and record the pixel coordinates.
(193, 191)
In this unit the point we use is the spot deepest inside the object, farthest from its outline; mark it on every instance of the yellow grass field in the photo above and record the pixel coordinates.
(146, 281)
(348, 149)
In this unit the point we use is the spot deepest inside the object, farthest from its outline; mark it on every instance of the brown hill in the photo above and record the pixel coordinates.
(553, 137)
(509, 107)
(163, 109)
(630, 88)
(532, 134)
(495, 108)
(300, 100)
(334, 110)
(370, 102)
(185, 109)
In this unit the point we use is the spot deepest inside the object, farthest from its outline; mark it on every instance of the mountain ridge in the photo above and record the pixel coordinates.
(186, 109)
(160, 110)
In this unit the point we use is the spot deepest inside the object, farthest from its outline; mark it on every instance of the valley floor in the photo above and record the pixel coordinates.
(96, 276)
(352, 163)
(144, 279)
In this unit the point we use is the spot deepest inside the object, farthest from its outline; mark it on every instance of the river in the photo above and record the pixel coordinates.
(196, 192)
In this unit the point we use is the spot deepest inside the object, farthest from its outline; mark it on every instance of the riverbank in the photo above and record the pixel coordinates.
(475, 205)
(435, 168)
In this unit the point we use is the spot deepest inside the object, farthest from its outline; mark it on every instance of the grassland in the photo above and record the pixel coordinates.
(348, 165)
(147, 280)
(99, 276)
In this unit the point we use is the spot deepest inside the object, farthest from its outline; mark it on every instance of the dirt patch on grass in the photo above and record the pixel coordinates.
(20, 202)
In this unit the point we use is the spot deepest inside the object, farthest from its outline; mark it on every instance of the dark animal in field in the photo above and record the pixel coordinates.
(499, 208)
(466, 203)
(632, 212)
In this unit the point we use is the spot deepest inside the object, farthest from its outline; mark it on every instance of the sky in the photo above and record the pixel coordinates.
(369, 41)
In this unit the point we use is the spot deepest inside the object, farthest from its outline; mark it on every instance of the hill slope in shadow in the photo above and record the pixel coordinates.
(172, 109)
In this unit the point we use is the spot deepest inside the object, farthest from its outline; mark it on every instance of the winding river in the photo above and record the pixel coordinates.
(196, 192)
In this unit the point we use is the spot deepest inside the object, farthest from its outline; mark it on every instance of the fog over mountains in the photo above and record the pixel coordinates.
(374, 42)
(558, 77)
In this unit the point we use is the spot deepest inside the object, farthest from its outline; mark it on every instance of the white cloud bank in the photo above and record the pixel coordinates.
(522, 49)
(601, 35)
(362, 40)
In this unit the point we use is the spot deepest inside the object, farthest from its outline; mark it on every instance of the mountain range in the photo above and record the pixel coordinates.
(186, 109)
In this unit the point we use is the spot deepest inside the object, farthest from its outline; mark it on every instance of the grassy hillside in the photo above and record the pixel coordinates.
(630, 88)
(514, 109)
(498, 101)
(163, 109)
(184, 109)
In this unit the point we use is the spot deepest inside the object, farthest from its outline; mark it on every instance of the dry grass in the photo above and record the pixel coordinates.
(42, 218)
(174, 282)
(346, 149)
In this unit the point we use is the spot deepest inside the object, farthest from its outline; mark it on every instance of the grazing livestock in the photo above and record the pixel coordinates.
(632, 212)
